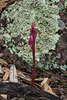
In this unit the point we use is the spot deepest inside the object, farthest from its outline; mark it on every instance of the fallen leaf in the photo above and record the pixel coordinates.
(46, 87)
(46, 80)
(1, 71)
(13, 74)
(6, 75)
(4, 97)
(3, 3)
(5, 69)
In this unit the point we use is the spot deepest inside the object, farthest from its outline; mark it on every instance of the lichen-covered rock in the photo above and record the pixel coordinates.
(20, 16)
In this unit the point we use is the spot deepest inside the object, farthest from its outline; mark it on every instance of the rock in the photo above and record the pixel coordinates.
(61, 25)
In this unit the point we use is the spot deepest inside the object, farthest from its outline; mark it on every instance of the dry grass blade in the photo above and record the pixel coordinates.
(23, 76)
(2, 61)
(39, 79)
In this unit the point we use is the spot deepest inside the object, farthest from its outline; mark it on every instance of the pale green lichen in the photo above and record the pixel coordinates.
(65, 3)
(45, 15)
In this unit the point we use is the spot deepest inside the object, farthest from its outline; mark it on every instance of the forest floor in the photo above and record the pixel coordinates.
(60, 52)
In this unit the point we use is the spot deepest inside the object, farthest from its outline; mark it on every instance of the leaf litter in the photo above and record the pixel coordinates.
(23, 73)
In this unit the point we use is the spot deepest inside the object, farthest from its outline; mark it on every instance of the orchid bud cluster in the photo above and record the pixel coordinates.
(33, 35)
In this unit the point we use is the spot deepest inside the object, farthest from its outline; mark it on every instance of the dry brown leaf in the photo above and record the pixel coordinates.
(5, 69)
(4, 96)
(46, 80)
(3, 3)
(6, 75)
(2, 61)
(46, 87)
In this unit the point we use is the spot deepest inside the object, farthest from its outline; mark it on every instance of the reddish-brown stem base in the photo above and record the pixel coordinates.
(33, 76)
(33, 73)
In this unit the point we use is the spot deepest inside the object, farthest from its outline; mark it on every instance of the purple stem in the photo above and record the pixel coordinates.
(33, 51)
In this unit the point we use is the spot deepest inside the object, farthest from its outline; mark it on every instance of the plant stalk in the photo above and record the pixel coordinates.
(33, 51)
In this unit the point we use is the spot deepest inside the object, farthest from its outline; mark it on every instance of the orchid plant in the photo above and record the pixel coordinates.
(32, 45)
